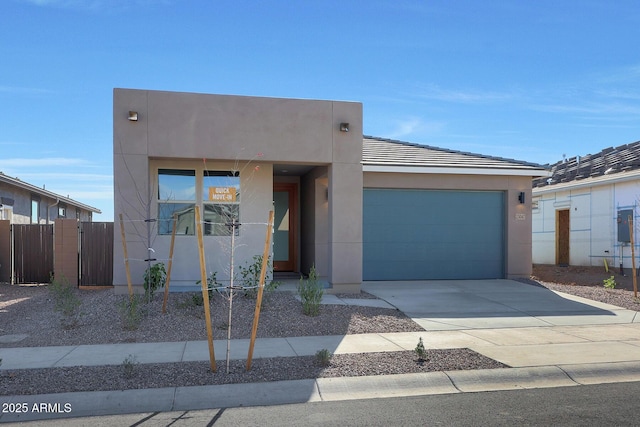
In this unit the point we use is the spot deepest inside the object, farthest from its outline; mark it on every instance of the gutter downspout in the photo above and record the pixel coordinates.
(49, 208)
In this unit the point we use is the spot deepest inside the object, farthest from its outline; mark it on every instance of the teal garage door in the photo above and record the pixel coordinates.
(430, 234)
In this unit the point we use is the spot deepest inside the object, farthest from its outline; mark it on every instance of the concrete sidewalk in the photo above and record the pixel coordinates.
(516, 347)
(549, 340)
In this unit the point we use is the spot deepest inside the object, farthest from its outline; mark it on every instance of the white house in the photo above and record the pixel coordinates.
(581, 213)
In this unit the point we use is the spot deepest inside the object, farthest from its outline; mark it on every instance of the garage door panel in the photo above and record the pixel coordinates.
(428, 234)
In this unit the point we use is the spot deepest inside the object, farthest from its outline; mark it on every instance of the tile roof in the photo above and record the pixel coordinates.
(609, 161)
(389, 152)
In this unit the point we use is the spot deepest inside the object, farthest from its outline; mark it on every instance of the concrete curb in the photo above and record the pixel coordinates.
(82, 404)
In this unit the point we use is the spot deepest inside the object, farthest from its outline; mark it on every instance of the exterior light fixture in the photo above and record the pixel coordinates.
(521, 197)
(133, 116)
(344, 127)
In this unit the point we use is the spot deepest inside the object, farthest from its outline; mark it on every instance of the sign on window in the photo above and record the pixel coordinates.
(222, 194)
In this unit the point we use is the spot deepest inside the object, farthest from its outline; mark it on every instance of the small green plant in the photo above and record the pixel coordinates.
(197, 299)
(154, 278)
(323, 357)
(129, 366)
(131, 312)
(250, 277)
(310, 291)
(65, 301)
(421, 352)
(610, 283)
(212, 284)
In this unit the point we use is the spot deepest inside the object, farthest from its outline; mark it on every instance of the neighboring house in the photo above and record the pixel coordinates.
(23, 203)
(358, 208)
(581, 212)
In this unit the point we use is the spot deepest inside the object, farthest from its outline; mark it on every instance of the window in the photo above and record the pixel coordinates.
(6, 212)
(221, 201)
(176, 196)
(35, 211)
(62, 211)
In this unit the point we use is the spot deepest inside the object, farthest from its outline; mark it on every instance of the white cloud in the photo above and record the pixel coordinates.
(19, 90)
(43, 162)
(94, 5)
(414, 125)
(53, 176)
(435, 92)
(600, 108)
(83, 196)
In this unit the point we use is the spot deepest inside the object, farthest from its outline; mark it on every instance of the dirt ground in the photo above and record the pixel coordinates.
(583, 276)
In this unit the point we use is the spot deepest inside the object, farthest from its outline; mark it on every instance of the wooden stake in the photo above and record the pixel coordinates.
(205, 291)
(126, 258)
(166, 285)
(633, 259)
(263, 273)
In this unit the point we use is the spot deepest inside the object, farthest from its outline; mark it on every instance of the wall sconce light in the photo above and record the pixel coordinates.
(133, 116)
(344, 127)
(521, 197)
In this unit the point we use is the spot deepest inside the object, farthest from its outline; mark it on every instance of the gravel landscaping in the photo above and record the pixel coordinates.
(29, 311)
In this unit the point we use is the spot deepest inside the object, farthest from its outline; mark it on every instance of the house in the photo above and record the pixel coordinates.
(355, 207)
(28, 241)
(582, 212)
(24, 203)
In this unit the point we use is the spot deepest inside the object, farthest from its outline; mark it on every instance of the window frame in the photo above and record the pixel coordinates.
(38, 203)
(185, 205)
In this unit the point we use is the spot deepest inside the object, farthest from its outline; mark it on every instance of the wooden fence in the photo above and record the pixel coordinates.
(81, 252)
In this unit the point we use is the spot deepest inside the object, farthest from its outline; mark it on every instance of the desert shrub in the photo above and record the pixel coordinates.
(65, 301)
(323, 357)
(212, 285)
(129, 366)
(610, 283)
(311, 291)
(250, 276)
(421, 352)
(154, 278)
(131, 312)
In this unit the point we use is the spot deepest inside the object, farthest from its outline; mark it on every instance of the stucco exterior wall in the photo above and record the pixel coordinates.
(593, 224)
(315, 222)
(517, 215)
(21, 212)
(173, 128)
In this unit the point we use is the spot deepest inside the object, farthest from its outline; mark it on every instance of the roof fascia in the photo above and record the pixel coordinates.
(41, 192)
(457, 171)
(588, 182)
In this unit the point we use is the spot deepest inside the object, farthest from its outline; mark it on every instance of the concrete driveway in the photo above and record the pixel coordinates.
(478, 304)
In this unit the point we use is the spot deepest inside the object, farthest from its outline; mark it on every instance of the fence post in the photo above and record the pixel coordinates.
(65, 250)
(5, 251)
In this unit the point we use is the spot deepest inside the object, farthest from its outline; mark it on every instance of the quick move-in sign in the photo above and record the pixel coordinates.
(222, 194)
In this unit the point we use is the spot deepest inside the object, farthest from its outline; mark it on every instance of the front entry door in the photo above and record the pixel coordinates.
(562, 237)
(285, 199)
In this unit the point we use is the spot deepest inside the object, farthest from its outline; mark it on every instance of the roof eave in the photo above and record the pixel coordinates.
(589, 182)
(42, 192)
(505, 171)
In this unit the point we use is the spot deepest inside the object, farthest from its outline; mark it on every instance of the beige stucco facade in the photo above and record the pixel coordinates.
(298, 147)
(265, 140)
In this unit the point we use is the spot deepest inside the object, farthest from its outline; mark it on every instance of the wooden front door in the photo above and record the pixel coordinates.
(562, 237)
(285, 203)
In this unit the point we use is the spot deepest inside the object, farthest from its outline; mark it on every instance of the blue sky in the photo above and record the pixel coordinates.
(530, 80)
